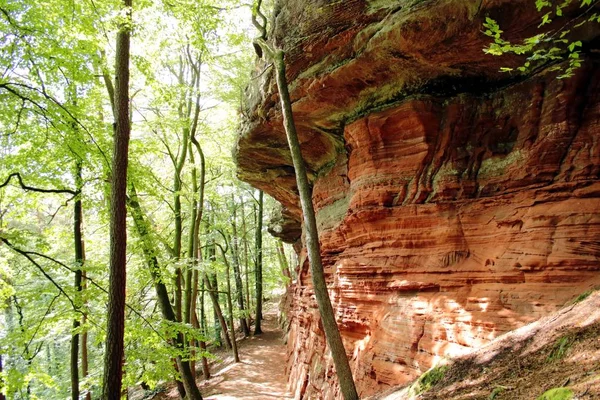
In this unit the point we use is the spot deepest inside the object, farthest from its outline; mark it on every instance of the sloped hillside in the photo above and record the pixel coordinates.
(557, 356)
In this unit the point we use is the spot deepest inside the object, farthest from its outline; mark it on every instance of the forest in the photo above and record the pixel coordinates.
(118, 125)
(370, 197)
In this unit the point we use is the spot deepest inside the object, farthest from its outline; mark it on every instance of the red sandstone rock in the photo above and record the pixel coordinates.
(449, 212)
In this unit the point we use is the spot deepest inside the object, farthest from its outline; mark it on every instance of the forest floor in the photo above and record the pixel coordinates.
(260, 374)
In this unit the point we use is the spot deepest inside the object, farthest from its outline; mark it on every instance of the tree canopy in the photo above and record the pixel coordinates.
(189, 62)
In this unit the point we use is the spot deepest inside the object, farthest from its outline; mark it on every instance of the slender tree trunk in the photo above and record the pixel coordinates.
(283, 263)
(205, 369)
(199, 187)
(236, 271)
(196, 325)
(258, 266)
(84, 339)
(246, 272)
(178, 280)
(79, 259)
(219, 319)
(217, 325)
(162, 294)
(332, 333)
(113, 356)
(236, 356)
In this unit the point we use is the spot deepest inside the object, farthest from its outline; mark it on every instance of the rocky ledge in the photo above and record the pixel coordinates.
(455, 202)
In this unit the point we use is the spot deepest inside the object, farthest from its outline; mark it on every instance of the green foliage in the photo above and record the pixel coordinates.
(55, 111)
(560, 348)
(548, 46)
(430, 378)
(557, 394)
(583, 296)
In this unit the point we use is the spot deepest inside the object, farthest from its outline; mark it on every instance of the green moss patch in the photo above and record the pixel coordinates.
(557, 394)
(430, 379)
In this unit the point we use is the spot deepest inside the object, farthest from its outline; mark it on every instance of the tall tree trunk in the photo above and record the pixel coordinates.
(332, 333)
(246, 272)
(79, 259)
(191, 288)
(236, 270)
(205, 369)
(258, 266)
(196, 325)
(84, 339)
(113, 356)
(213, 292)
(196, 230)
(162, 294)
(236, 356)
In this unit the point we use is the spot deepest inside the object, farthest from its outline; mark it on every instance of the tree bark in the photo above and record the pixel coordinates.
(332, 333)
(234, 348)
(258, 266)
(79, 259)
(246, 273)
(84, 339)
(236, 270)
(220, 320)
(113, 356)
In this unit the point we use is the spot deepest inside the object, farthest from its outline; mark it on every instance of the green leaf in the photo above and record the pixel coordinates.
(545, 20)
(573, 45)
(540, 4)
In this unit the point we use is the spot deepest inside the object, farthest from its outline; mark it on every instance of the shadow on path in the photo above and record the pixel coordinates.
(259, 375)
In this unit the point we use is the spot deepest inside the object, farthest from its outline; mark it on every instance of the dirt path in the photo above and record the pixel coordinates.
(259, 375)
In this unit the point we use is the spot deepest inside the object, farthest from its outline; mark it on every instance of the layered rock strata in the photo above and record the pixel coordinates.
(454, 203)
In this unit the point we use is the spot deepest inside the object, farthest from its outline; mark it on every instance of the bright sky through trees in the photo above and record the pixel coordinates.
(56, 78)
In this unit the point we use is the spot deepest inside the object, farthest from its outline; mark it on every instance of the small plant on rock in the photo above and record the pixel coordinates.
(430, 378)
(560, 348)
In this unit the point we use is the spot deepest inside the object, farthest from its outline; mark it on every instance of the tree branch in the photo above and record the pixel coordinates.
(35, 189)
(39, 267)
(27, 254)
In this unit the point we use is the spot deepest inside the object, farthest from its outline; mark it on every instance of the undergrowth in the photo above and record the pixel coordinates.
(560, 348)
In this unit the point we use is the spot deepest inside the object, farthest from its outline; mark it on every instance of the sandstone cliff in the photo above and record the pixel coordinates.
(455, 202)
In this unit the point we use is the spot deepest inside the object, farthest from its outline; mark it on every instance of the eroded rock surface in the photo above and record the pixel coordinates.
(455, 203)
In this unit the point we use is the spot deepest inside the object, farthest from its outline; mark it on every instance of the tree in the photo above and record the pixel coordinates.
(235, 249)
(191, 389)
(114, 353)
(258, 265)
(332, 333)
(79, 259)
